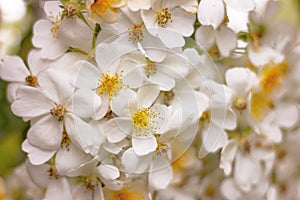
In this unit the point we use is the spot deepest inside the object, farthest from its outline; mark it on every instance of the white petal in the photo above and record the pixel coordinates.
(38, 173)
(82, 134)
(246, 171)
(160, 173)
(229, 189)
(54, 50)
(146, 95)
(214, 138)
(69, 159)
(174, 65)
(52, 8)
(117, 129)
(120, 104)
(59, 189)
(136, 5)
(240, 80)
(211, 12)
(85, 103)
(230, 120)
(286, 115)
(36, 155)
(56, 84)
(133, 79)
(11, 91)
(31, 102)
(243, 6)
(36, 63)
(109, 172)
(227, 156)
(263, 55)
(88, 75)
(165, 82)
(42, 33)
(170, 38)
(182, 22)
(226, 40)
(149, 18)
(143, 145)
(13, 69)
(190, 6)
(46, 133)
(134, 163)
(205, 37)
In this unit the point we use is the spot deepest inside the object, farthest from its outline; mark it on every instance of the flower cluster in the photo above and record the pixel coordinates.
(159, 99)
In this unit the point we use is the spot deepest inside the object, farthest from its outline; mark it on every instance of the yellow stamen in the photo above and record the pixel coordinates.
(110, 85)
(150, 68)
(136, 33)
(31, 81)
(101, 6)
(65, 141)
(260, 104)
(59, 112)
(163, 17)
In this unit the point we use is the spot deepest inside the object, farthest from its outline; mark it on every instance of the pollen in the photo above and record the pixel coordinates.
(31, 81)
(65, 141)
(240, 104)
(110, 85)
(56, 21)
(99, 7)
(91, 182)
(260, 104)
(161, 148)
(144, 120)
(124, 194)
(59, 112)
(163, 17)
(136, 33)
(150, 68)
(272, 75)
(52, 172)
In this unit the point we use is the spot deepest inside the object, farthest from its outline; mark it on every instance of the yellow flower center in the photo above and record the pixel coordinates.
(91, 182)
(240, 103)
(52, 172)
(59, 112)
(65, 141)
(163, 17)
(110, 85)
(136, 33)
(99, 7)
(124, 194)
(272, 75)
(31, 81)
(143, 121)
(260, 104)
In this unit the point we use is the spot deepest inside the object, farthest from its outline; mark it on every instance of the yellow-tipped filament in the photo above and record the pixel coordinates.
(110, 85)
(99, 7)
(163, 17)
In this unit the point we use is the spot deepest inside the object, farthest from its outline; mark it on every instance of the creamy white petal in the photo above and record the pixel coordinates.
(211, 12)
(134, 163)
(136, 5)
(240, 80)
(229, 189)
(56, 84)
(146, 95)
(120, 104)
(117, 129)
(243, 6)
(109, 172)
(227, 156)
(54, 49)
(59, 189)
(246, 172)
(190, 6)
(42, 33)
(263, 55)
(133, 78)
(52, 8)
(205, 37)
(143, 145)
(46, 133)
(11, 91)
(82, 134)
(160, 173)
(165, 82)
(170, 38)
(36, 155)
(174, 65)
(88, 75)
(13, 69)
(39, 174)
(36, 63)
(230, 121)
(69, 159)
(286, 115)
(226, 40)
(149, 18)
(84, 103)
(31, 102)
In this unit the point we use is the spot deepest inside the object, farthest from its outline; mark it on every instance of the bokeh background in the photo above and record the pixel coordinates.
(16, 20)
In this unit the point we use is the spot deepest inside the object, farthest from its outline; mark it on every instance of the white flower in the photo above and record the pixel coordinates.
(14, 70)
(54, 111)
(168, 22)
